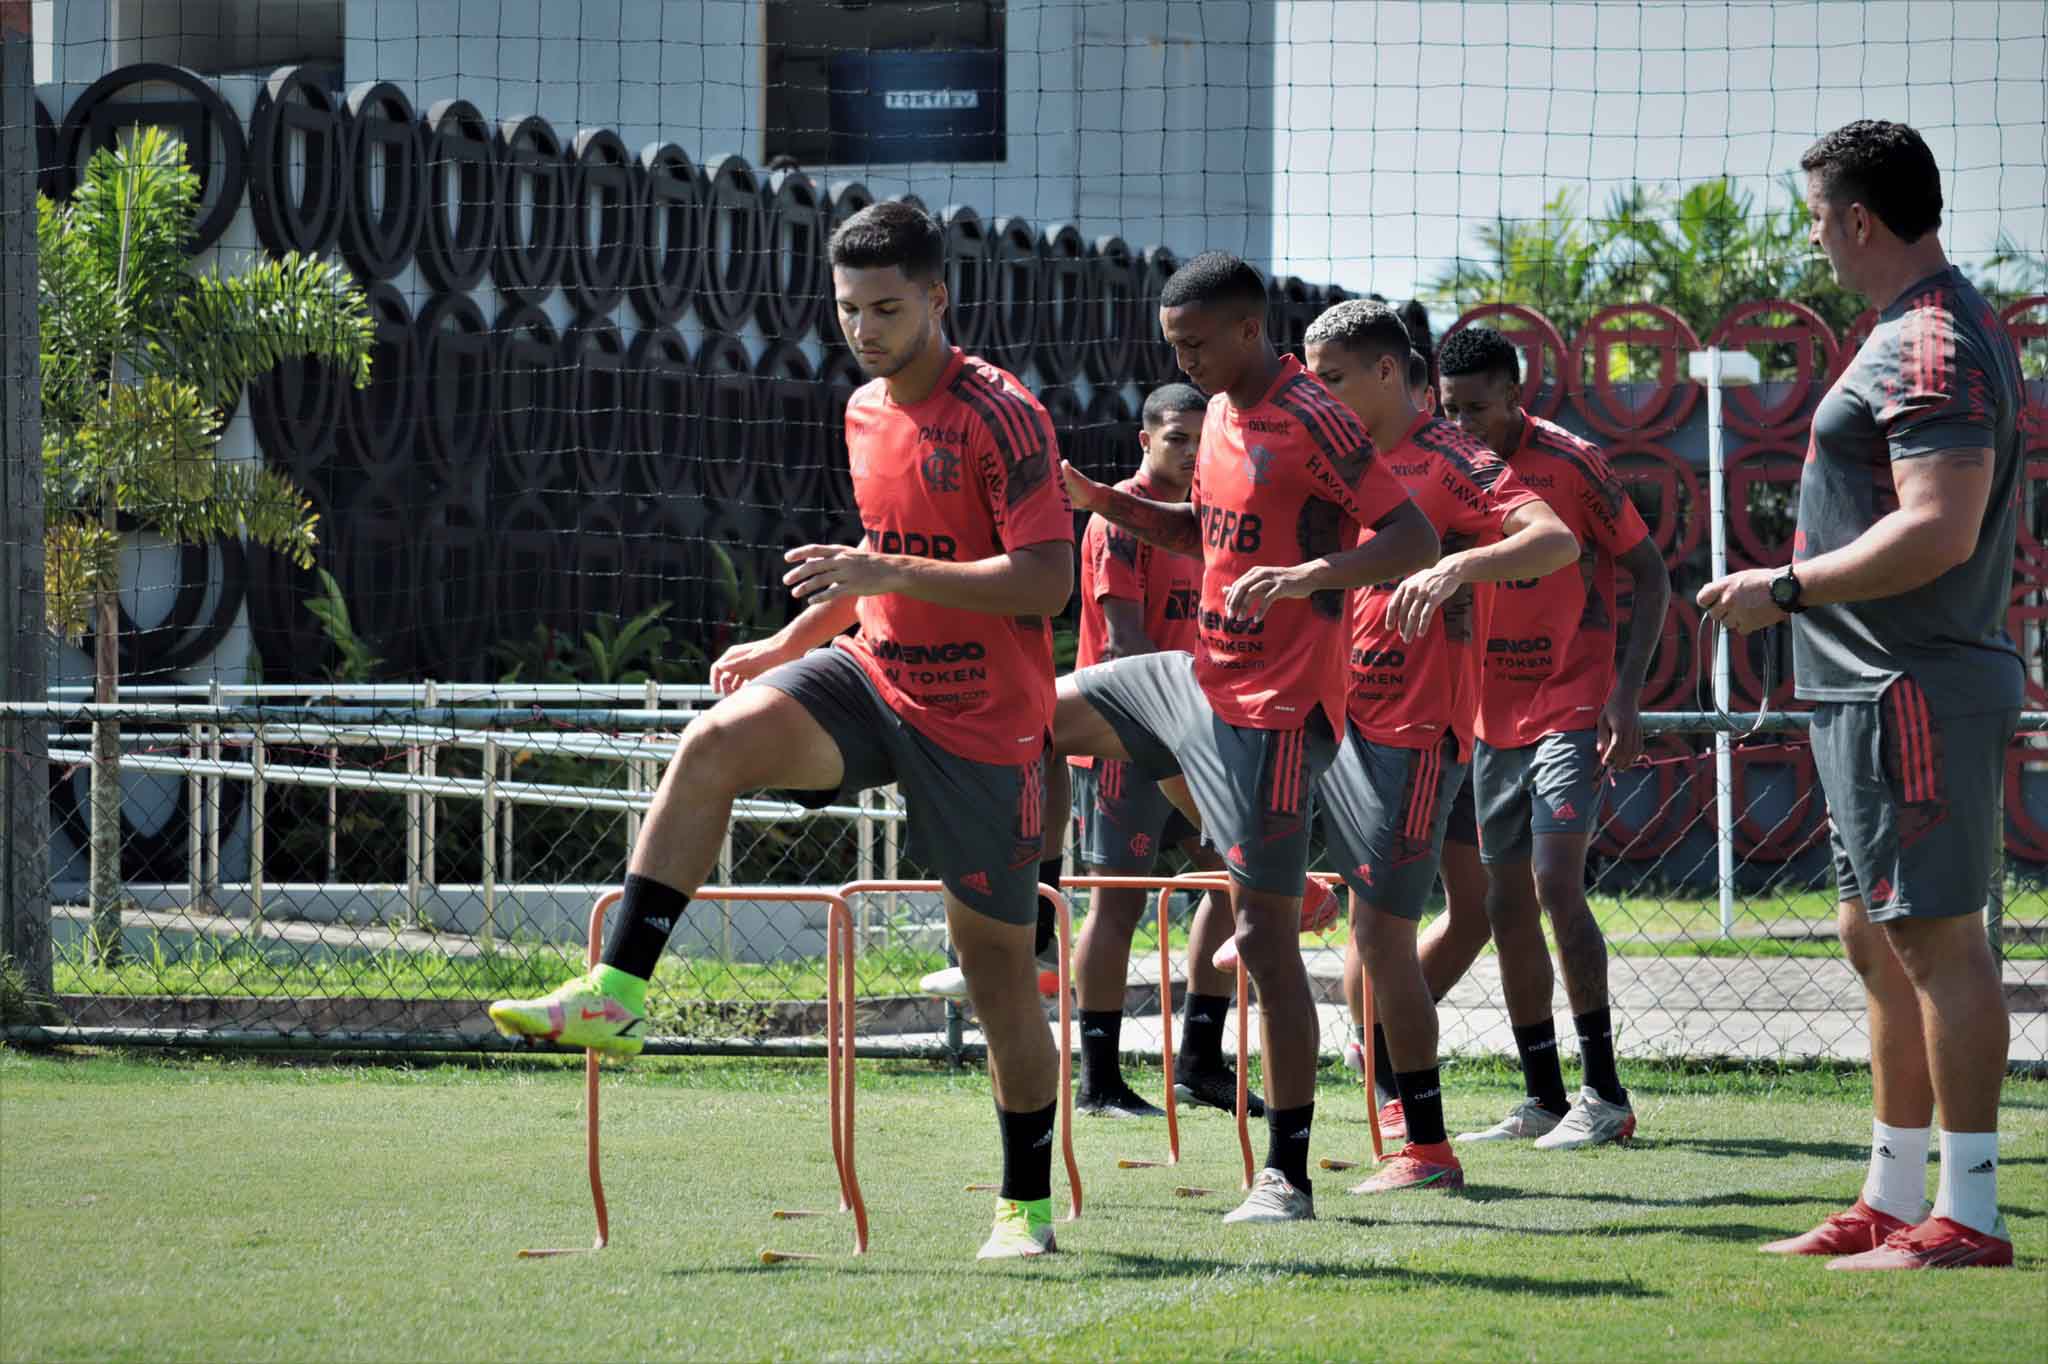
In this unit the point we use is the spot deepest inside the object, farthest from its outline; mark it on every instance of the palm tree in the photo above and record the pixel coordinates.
(142, 361)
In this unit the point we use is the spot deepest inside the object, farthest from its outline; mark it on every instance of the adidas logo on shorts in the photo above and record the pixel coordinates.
(976, 881)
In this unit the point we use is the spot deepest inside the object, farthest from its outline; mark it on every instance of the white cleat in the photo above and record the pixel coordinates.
(1526, 1121)
(950, 983)
(1273, 1199)
(1592, 1122)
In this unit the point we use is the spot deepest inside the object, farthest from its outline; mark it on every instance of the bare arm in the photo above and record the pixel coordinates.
(1536, 543)
(1401, 543)
(1124, 628)
(811, 627)
(1171, 526)
(1935, 527)
(1645, 565)
(818, 623)
(1032, 580)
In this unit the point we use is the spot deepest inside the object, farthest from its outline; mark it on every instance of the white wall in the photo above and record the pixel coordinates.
(1402, 125)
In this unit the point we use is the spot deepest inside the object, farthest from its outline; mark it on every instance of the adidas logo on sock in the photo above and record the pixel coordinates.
(1201, 1018)
(1429, 1094)
(663, 924)
(1886, 1152)
(1984, 1167)
(1302, 1135)
(1550, 1045)
(1045, 1140)
(1095, 1032)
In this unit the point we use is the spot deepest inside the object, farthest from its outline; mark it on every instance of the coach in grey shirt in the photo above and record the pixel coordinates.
(1897, 593)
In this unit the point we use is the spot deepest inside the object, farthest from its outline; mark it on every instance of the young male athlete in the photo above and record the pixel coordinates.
(1286, 478)
(1414, 696)
(1554, 716)
(1137, 599)
(1456, 937)
(1897, 590)
(947, 690)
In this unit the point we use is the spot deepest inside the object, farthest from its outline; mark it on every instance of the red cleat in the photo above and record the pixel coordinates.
(1319, 907)
(1393, 1122)
(1936, 1243)
(1859, 1229)
(1049, 983)
(1416, 1167)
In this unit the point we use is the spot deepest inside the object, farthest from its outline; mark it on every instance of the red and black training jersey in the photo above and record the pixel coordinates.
(1550, 652)
(1292, 478)
(1407, 693)
(969, 473)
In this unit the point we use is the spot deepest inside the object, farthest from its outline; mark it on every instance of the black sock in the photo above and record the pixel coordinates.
(1596, 1054)
(1422, 1105)
(1542, 1077)
(1027, 1153)
(1048, 928)
(1287, 1132)
(1201, 1029)
(1100, 1031)
(647, 914)
(1382, 1066)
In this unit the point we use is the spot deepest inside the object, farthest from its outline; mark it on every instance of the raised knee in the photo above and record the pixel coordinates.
(711, 755)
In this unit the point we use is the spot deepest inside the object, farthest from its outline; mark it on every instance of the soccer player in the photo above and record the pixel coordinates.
(947, 690)
(1455, 938)
(1285, 479)
(1554, 715)
(1414, 697)
(1901, 568)
(1136, 599)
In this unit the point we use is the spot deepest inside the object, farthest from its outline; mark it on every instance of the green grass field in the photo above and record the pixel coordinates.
(179, 1208)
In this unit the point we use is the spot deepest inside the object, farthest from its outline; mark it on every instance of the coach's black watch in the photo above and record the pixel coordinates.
(1785, 590)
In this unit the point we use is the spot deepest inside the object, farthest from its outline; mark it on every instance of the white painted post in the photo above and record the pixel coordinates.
(195, 824)
(430, 760)
(489, 839)
(257, 791)
(212, 882)
(1716, 370)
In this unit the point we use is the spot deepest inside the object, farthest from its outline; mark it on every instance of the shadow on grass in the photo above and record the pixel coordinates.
(1724, 1231)
(1759, 1147)
(1137, 1267)
(1506, 1193)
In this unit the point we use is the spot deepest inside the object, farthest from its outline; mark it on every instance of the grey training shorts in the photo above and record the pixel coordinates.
(1253, 787)
(979, 825)
(1916, 800)
(1549, 787)
(1384, 811)
(1123, 822)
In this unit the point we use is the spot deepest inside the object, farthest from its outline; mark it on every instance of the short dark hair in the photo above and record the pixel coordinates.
(1478, 350)
(1884, 166)
(1362, 326)
(1418, 369)
(891, 234)
(1168, 399)
(1214, 277)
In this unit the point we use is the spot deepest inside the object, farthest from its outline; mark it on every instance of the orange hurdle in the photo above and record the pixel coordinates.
(839, 1036)
(604, 1231)
(1063, 920)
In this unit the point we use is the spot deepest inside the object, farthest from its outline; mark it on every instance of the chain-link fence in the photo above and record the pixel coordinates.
(362, 871)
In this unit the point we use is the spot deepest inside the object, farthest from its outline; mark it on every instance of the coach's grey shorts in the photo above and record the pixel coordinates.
(1916, 800)
(978, 824)
(1549, 787)
(1254, 787)
(1384, 811)
(1123, 821)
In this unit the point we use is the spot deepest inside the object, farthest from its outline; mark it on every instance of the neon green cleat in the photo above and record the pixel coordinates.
(1021, 1230)
(577, 1013)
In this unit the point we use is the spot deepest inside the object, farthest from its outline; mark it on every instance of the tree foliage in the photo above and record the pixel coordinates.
(142, 361)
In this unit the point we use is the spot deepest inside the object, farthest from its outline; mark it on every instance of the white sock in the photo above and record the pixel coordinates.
(1897, 1182)
(1969, 1180)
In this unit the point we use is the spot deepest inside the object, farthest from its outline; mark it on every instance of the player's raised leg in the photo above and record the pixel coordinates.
(756, 738)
